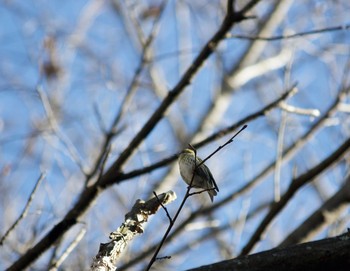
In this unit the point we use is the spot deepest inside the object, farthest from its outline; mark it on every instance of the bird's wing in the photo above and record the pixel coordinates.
(213, 180)
(203, 171)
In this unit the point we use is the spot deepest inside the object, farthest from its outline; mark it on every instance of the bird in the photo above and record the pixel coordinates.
(202, 179)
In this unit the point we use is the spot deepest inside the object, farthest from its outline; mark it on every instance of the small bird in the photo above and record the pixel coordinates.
(202, 179)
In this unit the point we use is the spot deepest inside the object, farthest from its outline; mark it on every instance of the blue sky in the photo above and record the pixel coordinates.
(97, 48)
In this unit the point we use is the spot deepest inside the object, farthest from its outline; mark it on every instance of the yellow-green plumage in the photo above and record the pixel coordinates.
(202, 179)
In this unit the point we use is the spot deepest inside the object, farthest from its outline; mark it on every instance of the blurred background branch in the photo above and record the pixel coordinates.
(103, 95)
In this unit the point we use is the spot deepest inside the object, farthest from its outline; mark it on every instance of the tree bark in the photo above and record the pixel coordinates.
(327, 254)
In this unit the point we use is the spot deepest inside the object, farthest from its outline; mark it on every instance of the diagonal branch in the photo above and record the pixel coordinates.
(133, 226)
(294, 187)
(327, 214)
(25, 210)
(111, 133)
(287, 155)
(90, 193)
(158, 114)
(296, 35)
(327, 254)
(260, 113)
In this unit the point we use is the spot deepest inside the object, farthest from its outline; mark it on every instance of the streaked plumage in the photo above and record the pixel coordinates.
(202, 179)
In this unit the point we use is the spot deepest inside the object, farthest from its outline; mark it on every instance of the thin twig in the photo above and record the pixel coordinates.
(215, 230)
(99, 118)
(89, 194)
(25, 210)
(301, 111)
(52, 120)
(287, 155)
(296, 35)
(154, 257)
(110, 134)
(164, 208)
(132, 87)
(211, 138)
(200, 192)
(226, 143)
(56, 264)
(187, 195)
(279, 157)
(163, 258)
(101, 165)
(185, 80)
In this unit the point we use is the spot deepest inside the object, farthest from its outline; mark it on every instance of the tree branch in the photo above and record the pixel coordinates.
(211, 138)
(292, 36)
(294, 187)
(327, 254)
(109, 253)
(25, 210)
(208, 49)
(90, 193)
(325, 215)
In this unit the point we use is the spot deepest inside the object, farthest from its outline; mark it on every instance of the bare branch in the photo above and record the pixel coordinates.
(279, 157)
(164, 208)
(292, 36)
(213, 137)
(72, 151)
(110, 134)
(25, 210)
(301, 111)
(325, 215)
(91, 192)
(187, 195)
(224, 145)
(208, 49)
(287, 154)
(57, 263)
(327, 254)
(132, 226)
(294, 187)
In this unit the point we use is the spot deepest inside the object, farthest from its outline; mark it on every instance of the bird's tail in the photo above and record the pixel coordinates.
(212, 193)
